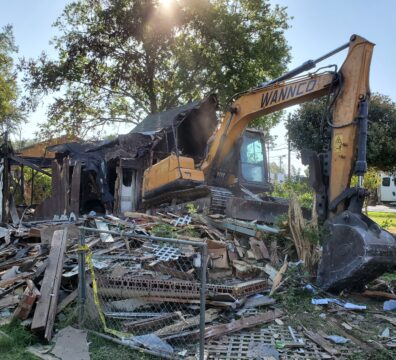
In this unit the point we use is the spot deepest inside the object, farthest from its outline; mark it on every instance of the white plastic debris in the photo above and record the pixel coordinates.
(337, 339)
(348, 305)
(385, 333)
(390, 305)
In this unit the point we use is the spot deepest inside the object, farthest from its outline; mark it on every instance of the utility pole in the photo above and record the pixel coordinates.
(268, 160)
(288, 121)
(288, 157)
(280, 161)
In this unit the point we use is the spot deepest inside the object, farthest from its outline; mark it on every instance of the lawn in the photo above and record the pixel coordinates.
(386, 220)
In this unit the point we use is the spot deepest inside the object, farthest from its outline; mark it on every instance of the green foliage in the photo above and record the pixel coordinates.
(191, 209)
(371, 181)
(42, 186)
(163, 230)
(10, 112)
(119, 60)
(302, 189)
(304, 130)
(296, 298)
(389, 277)
(314, 235)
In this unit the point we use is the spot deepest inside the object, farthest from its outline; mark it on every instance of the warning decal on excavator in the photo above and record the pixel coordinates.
(338, 143)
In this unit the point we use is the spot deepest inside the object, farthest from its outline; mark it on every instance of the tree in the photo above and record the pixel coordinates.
(275, 168)
(119, 60)
(10, 111)
(304, 130)
(371, 182)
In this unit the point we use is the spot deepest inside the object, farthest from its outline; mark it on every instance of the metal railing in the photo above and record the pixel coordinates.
(143, 296)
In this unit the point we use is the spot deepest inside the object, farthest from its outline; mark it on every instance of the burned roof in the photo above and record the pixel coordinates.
(194, 123)
(157, 122)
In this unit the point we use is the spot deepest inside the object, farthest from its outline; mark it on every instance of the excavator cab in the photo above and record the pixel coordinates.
(253, 164)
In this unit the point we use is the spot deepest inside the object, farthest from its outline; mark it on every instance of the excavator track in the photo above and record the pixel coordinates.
(217, 198)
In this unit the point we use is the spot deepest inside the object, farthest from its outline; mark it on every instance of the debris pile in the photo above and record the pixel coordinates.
(146, 293)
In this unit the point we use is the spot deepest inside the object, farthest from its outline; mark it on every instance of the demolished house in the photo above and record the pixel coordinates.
(106, 176)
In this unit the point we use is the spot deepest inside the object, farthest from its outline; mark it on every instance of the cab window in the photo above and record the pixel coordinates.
(252, 159)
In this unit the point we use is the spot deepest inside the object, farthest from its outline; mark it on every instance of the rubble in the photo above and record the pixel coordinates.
(135, 276)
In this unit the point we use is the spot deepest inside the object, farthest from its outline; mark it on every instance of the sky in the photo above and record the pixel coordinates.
(320, 26)
(317, 27)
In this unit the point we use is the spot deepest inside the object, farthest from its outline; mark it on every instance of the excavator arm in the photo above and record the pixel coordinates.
(352, 86)
(355, 249)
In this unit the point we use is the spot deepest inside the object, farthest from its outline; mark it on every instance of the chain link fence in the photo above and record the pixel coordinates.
(144, 292)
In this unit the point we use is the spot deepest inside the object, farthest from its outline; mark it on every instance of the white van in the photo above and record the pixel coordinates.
(388, 188)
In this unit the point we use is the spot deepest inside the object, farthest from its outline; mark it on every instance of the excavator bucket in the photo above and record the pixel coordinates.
(356, 251)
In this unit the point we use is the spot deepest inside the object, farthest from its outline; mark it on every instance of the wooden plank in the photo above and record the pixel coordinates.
(70, 298)
(63, 235)
(278, 278)
(44, 314)
(67, 300)
(391, 320)
(8, 282)
(378, 294)
(351, 335)
(54, 204)
(242, 323)
(75, 189)
(28, 163)
(184, 324)
(322, 342)
(9, 300)
(65, 176)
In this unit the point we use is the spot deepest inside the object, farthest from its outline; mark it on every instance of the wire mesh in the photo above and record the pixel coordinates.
(145, 292)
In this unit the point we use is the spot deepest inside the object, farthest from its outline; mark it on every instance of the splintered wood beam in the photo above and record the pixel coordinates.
(29, 164)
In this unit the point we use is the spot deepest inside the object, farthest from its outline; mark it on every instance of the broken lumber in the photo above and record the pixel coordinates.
(322, 342)
(8, 282)
(9, 300)
(378, 294)
(386, 318)
(150, 324)
(277, 282)
(359, 342)
(182, 325)
(242, 323)
(66, 301)
(27, 301)
(44, 315)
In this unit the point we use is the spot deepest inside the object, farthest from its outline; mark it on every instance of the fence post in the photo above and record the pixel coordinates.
(204, 253)
(81, 278)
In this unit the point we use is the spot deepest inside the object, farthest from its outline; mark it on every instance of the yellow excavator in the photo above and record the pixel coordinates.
(356, 250)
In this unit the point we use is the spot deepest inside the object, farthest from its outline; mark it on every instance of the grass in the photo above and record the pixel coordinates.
(17, 338)
(384, 219)
(102, 349)
(13, 346)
